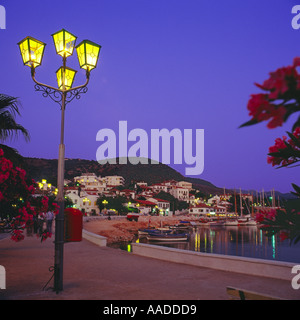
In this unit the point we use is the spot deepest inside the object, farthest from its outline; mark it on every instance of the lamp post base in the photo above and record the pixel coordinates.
(59, 249)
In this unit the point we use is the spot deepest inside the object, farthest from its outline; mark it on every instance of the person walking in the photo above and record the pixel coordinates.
(49, 218)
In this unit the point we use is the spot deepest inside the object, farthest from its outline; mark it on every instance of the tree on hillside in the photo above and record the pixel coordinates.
(116, 203)
(9, 128)
(175, 204)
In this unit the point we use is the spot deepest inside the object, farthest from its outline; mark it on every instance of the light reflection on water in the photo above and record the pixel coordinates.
(238, 241)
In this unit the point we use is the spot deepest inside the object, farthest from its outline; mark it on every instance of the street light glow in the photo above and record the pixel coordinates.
(65, 78)
(64, 42)
(88, 54)
(32, 51)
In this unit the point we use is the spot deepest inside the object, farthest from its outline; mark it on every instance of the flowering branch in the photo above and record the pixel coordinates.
(286, 223)
(17, 201)
(280, 100)
(285, 152)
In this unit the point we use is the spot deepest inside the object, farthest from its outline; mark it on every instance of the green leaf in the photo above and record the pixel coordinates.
(249, 123)
(294, 139)
(296, 124)
(297, 189)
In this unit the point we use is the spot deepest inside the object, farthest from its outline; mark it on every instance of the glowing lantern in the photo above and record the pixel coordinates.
(32, 51)
(64, 42)
(65, 78)
(88, 54)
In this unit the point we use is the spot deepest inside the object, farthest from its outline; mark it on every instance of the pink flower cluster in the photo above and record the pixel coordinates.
(16, 194)
(280, 86)
(281, 144)
(283, 222)
(45, 235)
(265, 214)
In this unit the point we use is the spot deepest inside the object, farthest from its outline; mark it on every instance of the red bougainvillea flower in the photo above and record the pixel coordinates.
(16, 198)
(280, 98)
(261, 109)
(264, 214)
(283, 235)
(17, 235)
(45, 235)
(281, 144)
(279, 81)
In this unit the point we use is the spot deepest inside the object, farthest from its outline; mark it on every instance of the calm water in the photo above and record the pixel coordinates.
(237, 241)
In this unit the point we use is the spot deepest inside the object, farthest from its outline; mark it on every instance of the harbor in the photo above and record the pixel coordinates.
(240, 241)
(216, 238)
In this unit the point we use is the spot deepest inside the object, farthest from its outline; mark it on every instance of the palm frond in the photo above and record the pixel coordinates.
(8, 125)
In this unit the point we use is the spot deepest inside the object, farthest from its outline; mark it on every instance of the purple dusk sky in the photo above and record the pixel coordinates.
(187, 64)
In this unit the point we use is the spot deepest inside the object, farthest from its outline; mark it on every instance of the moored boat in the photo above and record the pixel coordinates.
(216, 223)
(167, 237)
(203, 222)
(247, 222)
(145, 232)
(231, 223)
(251, 223)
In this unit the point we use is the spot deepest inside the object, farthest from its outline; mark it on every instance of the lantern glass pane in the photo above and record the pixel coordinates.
(36, 52)
(69, 43)
(81, 55)
(24, 51)
(69, 78)
(92, 54)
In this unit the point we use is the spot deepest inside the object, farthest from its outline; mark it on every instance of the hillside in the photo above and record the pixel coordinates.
(40, 169)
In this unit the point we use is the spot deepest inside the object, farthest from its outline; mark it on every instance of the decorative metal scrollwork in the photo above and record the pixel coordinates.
(76, 93)
(57, 95)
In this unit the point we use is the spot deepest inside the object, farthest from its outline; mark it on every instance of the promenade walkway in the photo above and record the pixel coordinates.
(103, 273)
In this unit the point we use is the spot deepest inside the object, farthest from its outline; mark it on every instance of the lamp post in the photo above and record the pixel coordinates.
(32, 52)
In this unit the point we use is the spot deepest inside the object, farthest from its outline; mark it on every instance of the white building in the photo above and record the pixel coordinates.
(158, 187)
(222, 210)
(114, 181)
(185, 185)
(180, 193)
(127, 193)
(91, 181)
(85, 201)
(144, 206)
(162, 205)
(142, 184)
(201, 210)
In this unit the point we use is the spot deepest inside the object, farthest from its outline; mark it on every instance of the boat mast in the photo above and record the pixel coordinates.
(241, 203)
(235, 211)
(252, 209)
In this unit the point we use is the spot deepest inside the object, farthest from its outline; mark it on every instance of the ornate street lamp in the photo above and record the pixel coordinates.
(32, 52)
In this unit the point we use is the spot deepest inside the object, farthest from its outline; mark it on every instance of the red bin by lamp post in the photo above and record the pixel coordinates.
(73, 225)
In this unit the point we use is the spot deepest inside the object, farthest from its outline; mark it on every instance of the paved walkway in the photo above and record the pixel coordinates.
(102, 273)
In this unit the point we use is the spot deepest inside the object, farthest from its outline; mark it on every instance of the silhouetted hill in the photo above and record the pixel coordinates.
(40, 169)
